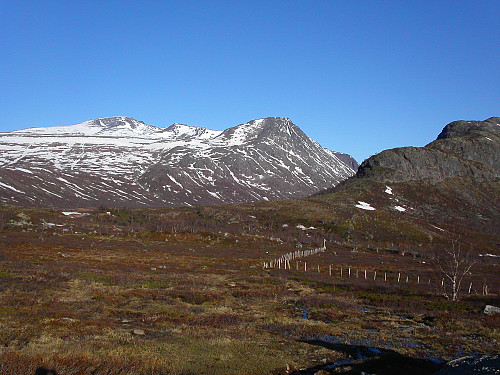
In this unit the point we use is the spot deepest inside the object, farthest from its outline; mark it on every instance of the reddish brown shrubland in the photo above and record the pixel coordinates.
(128, 302)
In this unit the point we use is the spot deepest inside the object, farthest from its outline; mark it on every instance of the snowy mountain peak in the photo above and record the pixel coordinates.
(105, 127)
(121, 161)
(123, 127)
(255, 130)
(185, 132)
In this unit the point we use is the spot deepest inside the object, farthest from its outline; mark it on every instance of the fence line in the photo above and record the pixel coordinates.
(396, 276)
(285, 259)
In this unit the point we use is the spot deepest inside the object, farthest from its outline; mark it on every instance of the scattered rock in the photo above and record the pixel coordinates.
(126, 321)
(491, 310)
(485, 365)
(138, 332)
(62, 254)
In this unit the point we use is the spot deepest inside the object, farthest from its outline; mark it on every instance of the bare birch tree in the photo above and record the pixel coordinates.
(454, 264)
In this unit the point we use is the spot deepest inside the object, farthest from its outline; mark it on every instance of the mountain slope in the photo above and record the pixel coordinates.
(260, 160)
(120, 161)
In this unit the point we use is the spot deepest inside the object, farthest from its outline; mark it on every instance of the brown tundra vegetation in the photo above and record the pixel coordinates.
(185, 291)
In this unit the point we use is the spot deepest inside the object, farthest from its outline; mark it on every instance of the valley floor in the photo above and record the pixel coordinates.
(169, 292)
(180, 303)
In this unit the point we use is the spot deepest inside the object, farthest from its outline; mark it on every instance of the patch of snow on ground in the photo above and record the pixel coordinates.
(489, 255)
(399, 208)
(388, 190)
(70, 213)
(300, 226)
(364, 206)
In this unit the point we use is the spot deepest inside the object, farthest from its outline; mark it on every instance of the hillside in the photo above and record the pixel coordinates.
(469, 149)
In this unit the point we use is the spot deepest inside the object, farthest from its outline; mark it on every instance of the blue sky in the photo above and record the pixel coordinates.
(357, 76)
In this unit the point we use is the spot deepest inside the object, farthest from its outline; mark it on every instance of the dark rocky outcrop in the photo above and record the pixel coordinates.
(462, 128)
(454, 181)
(462, 149)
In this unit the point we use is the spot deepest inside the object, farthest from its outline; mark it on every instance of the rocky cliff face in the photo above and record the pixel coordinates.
(120, 161)
(462, 149)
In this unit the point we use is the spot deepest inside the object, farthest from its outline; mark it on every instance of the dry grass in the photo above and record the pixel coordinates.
(79, 303)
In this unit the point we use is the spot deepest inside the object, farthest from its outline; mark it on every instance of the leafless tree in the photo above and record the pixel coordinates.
(454, 264)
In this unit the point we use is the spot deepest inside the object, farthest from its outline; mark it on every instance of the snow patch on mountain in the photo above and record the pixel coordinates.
(364, 206)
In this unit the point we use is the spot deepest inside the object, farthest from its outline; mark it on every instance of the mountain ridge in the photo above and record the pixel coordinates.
(122, 161)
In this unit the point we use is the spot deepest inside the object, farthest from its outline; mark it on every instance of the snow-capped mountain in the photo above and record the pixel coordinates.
(121, 127)
(120, 161)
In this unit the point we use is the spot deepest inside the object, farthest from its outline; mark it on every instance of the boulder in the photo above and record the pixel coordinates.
(485, 365)
(491, 310)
